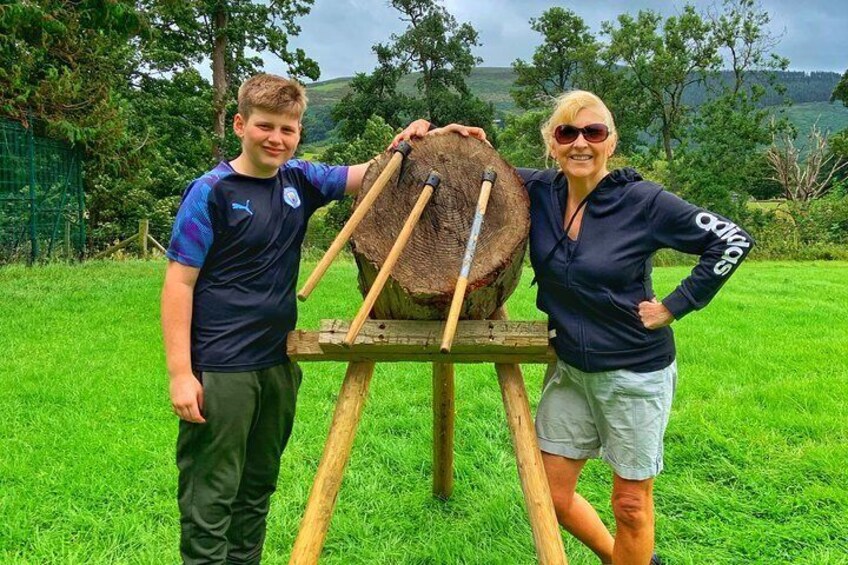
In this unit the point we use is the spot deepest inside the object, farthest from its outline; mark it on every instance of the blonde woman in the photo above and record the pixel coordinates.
(592, 234)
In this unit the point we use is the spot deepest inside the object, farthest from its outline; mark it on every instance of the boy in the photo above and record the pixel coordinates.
(228, 302)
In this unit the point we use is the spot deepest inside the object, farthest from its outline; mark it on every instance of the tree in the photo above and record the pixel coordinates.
(841, 90)
(568, 56)
(376, 136)
(571, 57)
(184, 34)
(664, 63)
(804, 178)
(520, 142)
(723, 158)
(67, 63)
(377, 94)
(436, 47)
(742, 36)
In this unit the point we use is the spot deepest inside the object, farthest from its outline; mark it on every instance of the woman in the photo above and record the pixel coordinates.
(592, 235)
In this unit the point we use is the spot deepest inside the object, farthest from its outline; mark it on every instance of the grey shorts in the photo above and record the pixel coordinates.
(619, 415)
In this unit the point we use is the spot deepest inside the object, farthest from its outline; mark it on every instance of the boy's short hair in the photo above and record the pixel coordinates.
(272, 93)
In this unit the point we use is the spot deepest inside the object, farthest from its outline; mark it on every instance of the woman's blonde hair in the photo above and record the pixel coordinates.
(568, 105)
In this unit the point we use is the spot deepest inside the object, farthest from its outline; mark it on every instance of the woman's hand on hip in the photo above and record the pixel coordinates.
(654, 314)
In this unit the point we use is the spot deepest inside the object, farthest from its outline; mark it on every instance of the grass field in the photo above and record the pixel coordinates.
(756, 451)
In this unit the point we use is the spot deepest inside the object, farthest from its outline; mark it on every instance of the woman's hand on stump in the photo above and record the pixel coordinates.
(464, 131)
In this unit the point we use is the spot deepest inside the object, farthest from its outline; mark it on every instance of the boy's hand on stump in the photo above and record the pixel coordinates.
(463, 130)
(187, 398)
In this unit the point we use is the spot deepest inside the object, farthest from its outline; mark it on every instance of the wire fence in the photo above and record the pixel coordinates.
(42, 202)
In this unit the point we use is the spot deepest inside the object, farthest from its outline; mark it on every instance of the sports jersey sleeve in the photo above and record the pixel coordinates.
(721, 244)
(327, 182)
(192, 234)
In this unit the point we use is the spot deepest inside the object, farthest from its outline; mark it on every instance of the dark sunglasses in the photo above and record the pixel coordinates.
(593, 133)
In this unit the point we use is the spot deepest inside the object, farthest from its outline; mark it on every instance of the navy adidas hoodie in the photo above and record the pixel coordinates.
(590, 288)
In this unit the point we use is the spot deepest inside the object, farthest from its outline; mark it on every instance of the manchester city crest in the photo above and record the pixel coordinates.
(291, 197)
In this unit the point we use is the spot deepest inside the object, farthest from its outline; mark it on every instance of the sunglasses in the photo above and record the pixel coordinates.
(593, 133)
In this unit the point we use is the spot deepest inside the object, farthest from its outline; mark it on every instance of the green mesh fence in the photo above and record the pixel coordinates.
(41, 196)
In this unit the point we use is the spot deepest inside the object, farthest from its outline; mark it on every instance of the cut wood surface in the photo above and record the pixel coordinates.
(398, 246)
(476, 341)
(423, 281)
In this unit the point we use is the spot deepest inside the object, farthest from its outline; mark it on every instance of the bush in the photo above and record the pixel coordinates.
(824, 220)
(804, 231)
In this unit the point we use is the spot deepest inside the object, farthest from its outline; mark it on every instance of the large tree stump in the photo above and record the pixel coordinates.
(422, 283)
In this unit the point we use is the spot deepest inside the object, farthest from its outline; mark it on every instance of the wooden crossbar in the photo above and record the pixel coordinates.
(504, 342)
(476, 341)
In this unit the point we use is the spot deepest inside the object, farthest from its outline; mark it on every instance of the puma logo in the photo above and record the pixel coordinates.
(245, 207)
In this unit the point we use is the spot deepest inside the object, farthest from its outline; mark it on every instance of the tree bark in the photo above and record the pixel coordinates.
(220, 21)
(423, 280)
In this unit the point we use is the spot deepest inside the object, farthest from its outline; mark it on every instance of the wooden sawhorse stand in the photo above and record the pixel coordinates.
(504, 343)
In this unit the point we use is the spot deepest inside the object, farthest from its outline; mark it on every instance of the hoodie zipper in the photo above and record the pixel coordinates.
(555, 204)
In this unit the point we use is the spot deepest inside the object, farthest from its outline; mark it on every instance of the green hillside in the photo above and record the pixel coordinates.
(829, 117)
(809, 91)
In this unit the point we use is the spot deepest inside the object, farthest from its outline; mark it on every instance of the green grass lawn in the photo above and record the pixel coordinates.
(756, 451)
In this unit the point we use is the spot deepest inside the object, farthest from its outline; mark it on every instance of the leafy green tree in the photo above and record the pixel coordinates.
(520, 142)
(722, 162)
(841, 91)
(665, 59)
(228, 33)
(438, 48)
(571, 57)
(66, 63)
(839, 142)
(719, 166)
(743, 38)
(376, 136)
(568, 56)
(374, 94)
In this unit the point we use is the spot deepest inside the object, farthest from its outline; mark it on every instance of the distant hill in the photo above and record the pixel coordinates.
(829, 117)
(808, 91)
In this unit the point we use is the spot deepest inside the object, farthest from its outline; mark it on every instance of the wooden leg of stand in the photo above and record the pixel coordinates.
(534, 483)
(328, 480)
(443, 421)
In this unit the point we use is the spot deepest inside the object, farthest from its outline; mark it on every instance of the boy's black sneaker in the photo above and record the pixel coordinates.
(655, 560)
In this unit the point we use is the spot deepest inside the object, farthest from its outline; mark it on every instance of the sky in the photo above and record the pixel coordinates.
(339, 34)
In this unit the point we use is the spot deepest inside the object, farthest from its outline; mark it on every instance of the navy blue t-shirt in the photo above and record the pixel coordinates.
(245, 236)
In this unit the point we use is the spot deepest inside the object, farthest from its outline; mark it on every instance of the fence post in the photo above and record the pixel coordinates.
(67, 240)
(80, 212)
(33, 233)
(143, 230)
